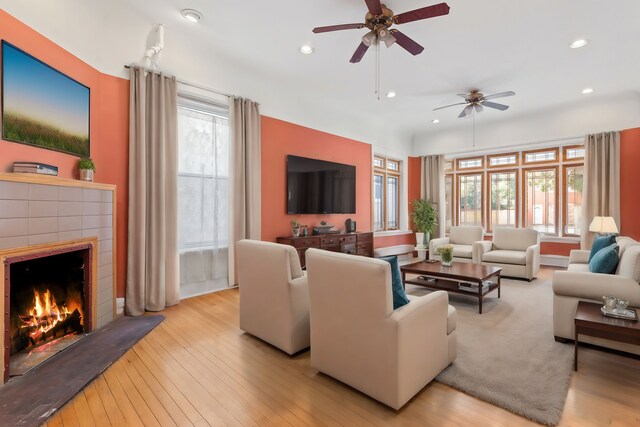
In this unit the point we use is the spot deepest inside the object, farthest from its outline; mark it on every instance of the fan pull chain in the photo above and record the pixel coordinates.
(377, 90)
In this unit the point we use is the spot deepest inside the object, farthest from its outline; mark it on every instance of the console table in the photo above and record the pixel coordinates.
(348, 243)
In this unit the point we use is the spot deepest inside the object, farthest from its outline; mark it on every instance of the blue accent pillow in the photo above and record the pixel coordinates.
(399, 295)
(605, 260)
(601, 242)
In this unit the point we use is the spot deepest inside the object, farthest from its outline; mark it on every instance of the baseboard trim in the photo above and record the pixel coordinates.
(554, 260)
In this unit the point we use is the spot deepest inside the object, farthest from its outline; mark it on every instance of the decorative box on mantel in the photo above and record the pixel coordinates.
(57, 262)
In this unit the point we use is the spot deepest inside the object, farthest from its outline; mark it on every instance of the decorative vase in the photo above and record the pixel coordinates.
(447, 263)
(86, 175)
(426, 238)
(295, 231)
(419, 239)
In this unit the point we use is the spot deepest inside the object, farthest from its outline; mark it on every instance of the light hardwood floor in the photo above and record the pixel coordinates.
(198, 368)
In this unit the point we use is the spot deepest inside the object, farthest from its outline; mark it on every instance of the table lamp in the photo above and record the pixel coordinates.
(603, 225)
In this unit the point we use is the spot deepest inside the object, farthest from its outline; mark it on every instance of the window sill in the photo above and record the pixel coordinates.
(391, 233)
(552, 239)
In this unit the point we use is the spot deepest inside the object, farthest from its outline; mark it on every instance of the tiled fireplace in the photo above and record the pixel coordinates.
(57, 263)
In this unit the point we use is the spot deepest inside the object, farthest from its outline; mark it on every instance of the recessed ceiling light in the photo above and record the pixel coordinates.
(306, 49)
(191, 15)
(587, 91)
(391, 94)
(435, 121)
(578, 43)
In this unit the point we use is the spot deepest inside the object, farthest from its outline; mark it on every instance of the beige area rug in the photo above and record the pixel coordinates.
(508, 356)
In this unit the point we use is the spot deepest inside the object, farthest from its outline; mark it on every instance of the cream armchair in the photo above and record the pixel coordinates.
(516, 250)
(462, 239)
(274, 297)
(578, 284)
(357, 337)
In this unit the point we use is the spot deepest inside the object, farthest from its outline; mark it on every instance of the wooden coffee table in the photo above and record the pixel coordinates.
(448, 278)
(590, 321)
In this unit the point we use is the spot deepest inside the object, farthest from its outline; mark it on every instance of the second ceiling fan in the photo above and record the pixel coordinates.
(476, 100)
(379, 20)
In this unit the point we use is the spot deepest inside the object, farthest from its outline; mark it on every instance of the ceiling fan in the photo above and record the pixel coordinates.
(476, 100)
(379, 20)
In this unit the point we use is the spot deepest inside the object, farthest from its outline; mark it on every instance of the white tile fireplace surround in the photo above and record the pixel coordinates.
(37, 209)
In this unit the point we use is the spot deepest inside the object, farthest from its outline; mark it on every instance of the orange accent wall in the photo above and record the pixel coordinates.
(109, 132)
(557, 248)
(280, 138)
(629, 180)
(413, 176)
(401, 239)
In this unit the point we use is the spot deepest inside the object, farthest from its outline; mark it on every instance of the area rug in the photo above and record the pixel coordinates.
(508, 356)
(28, 400)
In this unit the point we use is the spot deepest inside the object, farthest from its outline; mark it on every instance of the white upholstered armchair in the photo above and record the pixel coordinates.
(516, 250)
(357, 337)
(274, 297)
(462, 239)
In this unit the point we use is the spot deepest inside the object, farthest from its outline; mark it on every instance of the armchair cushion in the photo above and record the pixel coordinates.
(605, 260)
(397, 290)
(514, 239)
(465, 235)
(459, 251)
(629, 265)
(505, 257)
(601, 242)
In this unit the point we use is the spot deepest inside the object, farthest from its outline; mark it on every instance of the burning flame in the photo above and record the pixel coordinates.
(45, 314)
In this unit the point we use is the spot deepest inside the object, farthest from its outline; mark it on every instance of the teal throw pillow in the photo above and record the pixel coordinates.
(601, 242)
(399, 295)
(605, 260)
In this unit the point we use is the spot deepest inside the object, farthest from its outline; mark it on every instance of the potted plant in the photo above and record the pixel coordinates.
(87, 169)
(425, 219)
(446, 254)
(295, 228)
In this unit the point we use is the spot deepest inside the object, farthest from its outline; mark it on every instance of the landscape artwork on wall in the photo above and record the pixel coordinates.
(41, 106)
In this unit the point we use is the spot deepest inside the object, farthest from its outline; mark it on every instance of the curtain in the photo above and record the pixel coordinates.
(601, 187)
(152, 273)
(244, 122)
(432, 187)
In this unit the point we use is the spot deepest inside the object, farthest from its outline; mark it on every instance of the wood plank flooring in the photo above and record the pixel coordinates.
(197, 368)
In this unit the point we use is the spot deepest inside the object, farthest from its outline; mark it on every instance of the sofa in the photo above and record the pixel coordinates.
(274, 297)
(578, 284)
(358, 338)
(462, 239)
(516, 250)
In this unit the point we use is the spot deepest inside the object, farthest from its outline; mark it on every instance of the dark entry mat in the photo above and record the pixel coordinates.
(30, 399)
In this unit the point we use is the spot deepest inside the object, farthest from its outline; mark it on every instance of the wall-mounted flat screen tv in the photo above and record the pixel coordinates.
(320, 187)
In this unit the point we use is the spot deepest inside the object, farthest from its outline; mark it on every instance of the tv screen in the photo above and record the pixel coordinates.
(320, 187)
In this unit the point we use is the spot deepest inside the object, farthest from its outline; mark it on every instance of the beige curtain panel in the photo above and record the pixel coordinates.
(432, 187)
(245, 209)
(152, 263)
(601, 187)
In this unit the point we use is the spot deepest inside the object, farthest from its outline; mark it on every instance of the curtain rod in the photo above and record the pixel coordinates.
(194, 85)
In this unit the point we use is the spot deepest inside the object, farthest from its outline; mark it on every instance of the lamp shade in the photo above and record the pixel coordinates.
(603, 224)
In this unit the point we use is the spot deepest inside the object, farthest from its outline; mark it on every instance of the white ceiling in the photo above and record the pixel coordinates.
(251, 48)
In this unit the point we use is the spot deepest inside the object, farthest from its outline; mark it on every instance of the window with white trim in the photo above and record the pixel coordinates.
(386, 193)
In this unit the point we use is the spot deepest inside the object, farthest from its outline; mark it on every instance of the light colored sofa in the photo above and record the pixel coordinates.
(578, 284)
(357, 337)
(462, 239)
(516, 250)
(274, 296)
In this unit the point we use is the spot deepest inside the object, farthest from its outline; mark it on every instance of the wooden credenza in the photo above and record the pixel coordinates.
(349, 243)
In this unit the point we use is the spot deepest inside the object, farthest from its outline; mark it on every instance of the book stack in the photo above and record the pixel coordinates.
(33, 167)
(473, 287)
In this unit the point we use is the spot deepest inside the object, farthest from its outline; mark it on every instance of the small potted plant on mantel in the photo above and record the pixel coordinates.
(87, 169)
(425, 219)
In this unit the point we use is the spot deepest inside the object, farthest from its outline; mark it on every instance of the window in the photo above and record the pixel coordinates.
(470, 163)
(448, 202)
(541, 156)
(574, 152)
(203, 196)
(386, 193)
(470, 199)
(502, 160)
(540, 203)
(573, 180)
(448, 165)
(503, 191)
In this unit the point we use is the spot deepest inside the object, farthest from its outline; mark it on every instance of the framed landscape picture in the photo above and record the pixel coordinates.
(41, 106)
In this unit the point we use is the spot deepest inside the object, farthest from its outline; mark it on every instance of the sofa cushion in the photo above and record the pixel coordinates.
(583, 268)
(506, 257)
(629, 265)
(605, 260)
(452, 319)
(623, 243)
(514, 239)
(601, 242)
(399, 295)
(465, 235)
(460, 251)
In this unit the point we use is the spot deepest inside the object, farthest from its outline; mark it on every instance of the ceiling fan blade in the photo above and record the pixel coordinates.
(495, 105)
(337, 28)
(407, 43)
(500, 95)
(423, 13)
(374, 6)
(464, 95)
(466, 111)
(359, 53)
(447, 106)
